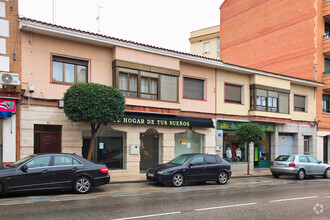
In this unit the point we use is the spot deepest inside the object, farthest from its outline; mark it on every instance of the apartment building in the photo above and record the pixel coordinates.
(175, 102)
(206, 42)
(286, 37)
(9, 82)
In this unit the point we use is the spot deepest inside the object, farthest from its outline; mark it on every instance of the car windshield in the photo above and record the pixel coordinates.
(20, 162)
(180, 159)
(285, 158)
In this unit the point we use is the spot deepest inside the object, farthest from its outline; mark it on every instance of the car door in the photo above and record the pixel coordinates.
(37, 175)
(316, 167)
(212, 168)
(304, 163)
(195, 170)
(64, 169)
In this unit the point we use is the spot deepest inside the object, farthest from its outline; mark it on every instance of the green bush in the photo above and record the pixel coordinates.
(249, 132)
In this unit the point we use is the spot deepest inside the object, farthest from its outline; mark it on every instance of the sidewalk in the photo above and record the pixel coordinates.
(142, 177)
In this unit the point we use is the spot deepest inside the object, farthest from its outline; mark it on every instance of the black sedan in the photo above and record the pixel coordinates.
(191, 168)
(52, 171)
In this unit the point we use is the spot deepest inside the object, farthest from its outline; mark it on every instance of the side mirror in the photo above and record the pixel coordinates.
(24, 168)
(319, 162)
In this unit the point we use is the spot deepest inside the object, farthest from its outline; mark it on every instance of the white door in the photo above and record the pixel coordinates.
(285, 144)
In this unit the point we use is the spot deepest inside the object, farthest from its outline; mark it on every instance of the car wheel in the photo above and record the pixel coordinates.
(177, 179)
(222, 177)
(82, 185)
(327, 173)
(301, 175)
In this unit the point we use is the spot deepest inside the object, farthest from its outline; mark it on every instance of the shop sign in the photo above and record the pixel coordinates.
(7, 105)
(159, 122)
(228, 125)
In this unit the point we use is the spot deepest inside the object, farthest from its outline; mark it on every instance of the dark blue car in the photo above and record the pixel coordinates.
(191, 168)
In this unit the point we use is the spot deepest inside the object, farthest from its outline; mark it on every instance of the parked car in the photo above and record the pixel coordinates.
(191, 168)
(299, 166)
(52, 171)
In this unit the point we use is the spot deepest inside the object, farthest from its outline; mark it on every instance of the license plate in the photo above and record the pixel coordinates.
(151, 174)
(280, 165)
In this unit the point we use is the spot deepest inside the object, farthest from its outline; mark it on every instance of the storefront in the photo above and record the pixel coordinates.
(7, 131)
(236, 152)
(153, 138)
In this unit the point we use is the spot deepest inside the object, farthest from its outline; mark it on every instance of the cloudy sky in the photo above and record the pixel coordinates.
(163, 23)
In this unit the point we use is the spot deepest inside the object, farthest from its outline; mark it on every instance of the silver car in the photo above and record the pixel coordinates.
(299, 166)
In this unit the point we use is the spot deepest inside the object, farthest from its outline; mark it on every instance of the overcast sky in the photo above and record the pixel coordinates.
(163, 23)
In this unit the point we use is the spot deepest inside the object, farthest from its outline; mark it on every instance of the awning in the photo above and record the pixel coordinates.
(5, 114)
(140, 118)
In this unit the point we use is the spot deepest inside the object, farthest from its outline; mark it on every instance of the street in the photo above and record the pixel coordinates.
(241, 198)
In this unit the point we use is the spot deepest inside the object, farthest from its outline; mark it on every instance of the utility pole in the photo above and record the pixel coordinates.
(54, 11)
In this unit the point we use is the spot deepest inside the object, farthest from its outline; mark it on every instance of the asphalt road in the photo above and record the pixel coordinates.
(249, 198)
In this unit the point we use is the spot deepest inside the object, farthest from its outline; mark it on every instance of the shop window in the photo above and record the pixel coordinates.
(233, 150)
(188, 142)
(233, 93)
(325, 103)
(299, 103)
(147, 85)
(193, 88)
(269, 100)
(108, 149)
(69, 70)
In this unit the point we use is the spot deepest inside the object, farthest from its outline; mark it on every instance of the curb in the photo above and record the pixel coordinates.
(142, 181)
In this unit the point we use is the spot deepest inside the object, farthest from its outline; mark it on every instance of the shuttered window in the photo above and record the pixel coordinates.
(284, 103)
(233, 93)
(299, 103)
(193, 88)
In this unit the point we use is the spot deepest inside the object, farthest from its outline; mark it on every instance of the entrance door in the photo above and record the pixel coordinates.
(149, 150)
(325, 149)
(47, 138)
(285, 144)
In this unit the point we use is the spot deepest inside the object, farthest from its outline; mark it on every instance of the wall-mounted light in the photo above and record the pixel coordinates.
(60, 103)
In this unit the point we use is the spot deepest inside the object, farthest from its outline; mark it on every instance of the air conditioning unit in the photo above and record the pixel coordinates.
(9, 79)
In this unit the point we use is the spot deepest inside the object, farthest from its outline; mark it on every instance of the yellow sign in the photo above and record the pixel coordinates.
(183, 142)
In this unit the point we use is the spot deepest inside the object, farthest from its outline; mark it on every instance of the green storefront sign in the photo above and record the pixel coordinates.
(232, 126)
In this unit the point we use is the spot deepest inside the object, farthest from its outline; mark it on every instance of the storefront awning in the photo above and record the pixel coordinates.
(138, 118)
(5, 114)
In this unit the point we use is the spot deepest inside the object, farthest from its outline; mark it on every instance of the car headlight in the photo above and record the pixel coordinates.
(160, 172)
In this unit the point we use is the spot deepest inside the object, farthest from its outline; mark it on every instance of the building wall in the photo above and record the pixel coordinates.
(276, 36)
(199, 37)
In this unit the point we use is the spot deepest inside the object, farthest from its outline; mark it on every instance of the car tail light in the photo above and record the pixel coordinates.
(271, 163)
(292, 165)
(104, 170)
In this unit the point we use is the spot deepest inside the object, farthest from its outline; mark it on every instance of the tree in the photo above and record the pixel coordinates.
(249, 133)
(94, 103)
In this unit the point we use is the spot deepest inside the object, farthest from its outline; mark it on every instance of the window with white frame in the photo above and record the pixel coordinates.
(206, 48)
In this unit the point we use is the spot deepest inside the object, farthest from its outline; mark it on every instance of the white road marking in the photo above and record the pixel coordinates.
(16, 203)
(284, 200)
(328, 197)
(148, 216)
(226, 206)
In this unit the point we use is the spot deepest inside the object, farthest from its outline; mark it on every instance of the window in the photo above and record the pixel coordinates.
(303, 159)
(206, 48)
(39, 162)
(65, 161)
(269, 100)
(326, 30)
(325, 103)
(68, 70)
(210, 160)
(197, 161)
(313, 159)
(326, 66)
(218, 47)
(147, 85)
(233, 151)
(193, 88)
(233, 93)
(299, 103)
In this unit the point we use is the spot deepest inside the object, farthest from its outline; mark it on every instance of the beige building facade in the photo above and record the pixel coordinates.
(175, 103)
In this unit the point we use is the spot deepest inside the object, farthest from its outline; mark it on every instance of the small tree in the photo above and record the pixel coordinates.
(247, 133)
(94, 103)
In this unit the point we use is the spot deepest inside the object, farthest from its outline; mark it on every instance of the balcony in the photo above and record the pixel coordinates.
(326, 9)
